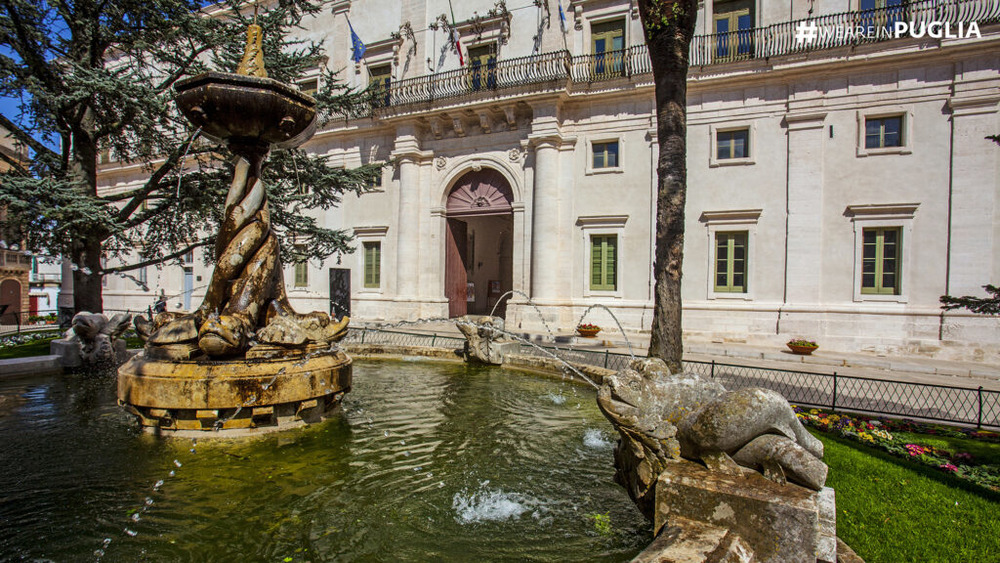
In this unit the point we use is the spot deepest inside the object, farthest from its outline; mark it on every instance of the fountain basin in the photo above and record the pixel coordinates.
(424, 461)
(260, 395)
(238, 108)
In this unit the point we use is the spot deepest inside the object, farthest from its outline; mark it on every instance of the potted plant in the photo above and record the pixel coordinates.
(588, 330)
(802, 346)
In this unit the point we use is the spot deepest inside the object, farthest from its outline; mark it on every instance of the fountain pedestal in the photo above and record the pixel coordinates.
(229, 395)
(245, 359)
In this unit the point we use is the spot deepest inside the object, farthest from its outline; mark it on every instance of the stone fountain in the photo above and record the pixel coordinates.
(244, 359)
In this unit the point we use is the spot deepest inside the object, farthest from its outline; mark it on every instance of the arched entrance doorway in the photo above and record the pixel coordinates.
(479, 254)
(10, 301)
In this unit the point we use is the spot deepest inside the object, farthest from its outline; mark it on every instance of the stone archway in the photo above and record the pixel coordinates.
(478, 251)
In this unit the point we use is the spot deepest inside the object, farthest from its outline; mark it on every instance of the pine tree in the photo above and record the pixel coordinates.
(98, 76)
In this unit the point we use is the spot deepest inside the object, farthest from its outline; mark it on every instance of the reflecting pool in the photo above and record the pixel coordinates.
(425, 462)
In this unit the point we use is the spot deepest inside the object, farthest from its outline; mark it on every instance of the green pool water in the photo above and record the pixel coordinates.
(424, 462)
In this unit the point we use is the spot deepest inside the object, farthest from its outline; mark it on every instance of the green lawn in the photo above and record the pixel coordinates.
(33, 348)
(892, 510)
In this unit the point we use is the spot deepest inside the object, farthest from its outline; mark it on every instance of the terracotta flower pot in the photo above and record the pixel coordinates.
(588, 332)
(801, 350)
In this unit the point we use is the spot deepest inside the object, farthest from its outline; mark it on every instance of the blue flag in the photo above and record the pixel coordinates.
(562, 17)
(357, 45)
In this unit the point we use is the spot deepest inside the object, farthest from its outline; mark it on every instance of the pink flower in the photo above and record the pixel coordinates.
(948, 467)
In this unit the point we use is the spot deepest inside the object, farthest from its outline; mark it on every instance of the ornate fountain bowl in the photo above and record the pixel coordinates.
(244, 109)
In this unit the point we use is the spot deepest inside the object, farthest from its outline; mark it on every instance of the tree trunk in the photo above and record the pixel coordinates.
(87, 248)
(669, 27)
(87, 287)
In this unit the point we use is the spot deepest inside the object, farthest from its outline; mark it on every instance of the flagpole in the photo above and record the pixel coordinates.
(454, 31)
(562, 25)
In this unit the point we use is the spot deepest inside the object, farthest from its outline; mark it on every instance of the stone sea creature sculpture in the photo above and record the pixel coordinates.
(662, 417)
(245, 303)
(97, 339)
(485, 340)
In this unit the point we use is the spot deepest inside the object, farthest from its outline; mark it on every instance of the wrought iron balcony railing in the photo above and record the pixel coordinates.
(842, 29)
(559, 70)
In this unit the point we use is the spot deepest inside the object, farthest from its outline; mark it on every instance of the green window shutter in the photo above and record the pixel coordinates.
(731, 262)
(301, 268)
(880, 261)
(301, 274)
(604, 262)
(373, 268)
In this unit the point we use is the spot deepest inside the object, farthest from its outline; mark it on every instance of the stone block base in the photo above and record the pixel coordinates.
(68, 352)
(778, 522)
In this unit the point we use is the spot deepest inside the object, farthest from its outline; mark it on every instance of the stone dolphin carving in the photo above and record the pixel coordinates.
(662, 417)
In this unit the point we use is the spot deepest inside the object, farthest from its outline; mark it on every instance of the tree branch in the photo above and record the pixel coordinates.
(27, 139)
(158, 259)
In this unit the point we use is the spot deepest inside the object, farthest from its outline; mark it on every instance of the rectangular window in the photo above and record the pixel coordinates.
(882, 132)
(379, 81)
(142, 276)
(376, 183)
(301, 269)
(483, 67)
(733, 30)
(607, 41)
(881, 251)
(731, 262)
(604, 262)
(309, 87)
(605, 154)
(732, 144)
(373, 264)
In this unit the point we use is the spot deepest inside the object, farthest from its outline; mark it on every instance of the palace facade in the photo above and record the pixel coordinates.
(839, 178)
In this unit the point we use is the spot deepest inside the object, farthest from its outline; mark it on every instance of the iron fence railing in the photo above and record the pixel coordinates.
(16, 322)
(558, 69)
(376, 336)
(964, 405)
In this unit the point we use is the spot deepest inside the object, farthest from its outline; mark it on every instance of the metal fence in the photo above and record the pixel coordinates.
(964, 405)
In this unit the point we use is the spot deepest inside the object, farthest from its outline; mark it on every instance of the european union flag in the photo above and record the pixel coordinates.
(357, 45)
(562, 17)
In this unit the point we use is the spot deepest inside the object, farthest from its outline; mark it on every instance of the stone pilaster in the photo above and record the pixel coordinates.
(803, 266)
(408, 155)
(974, 213)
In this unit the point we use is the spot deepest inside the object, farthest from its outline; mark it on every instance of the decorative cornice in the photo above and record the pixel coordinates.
(873, 210)
(731, 216)
(370, 231)
(340, 6)
(799, 121)
(977, 105)
(602, 220)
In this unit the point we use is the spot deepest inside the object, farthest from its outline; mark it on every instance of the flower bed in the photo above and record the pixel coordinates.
(879, 433)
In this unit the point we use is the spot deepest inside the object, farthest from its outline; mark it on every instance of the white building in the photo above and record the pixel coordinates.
(837, 185)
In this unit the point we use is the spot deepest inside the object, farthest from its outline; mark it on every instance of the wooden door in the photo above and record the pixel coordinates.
(10, 301)
(340, 292)
(455, 276)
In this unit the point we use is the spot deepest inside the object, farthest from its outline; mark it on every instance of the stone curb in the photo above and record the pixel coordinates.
(32, 365)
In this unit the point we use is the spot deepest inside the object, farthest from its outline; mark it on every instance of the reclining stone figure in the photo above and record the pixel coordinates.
(96, 339)
(663, 417)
